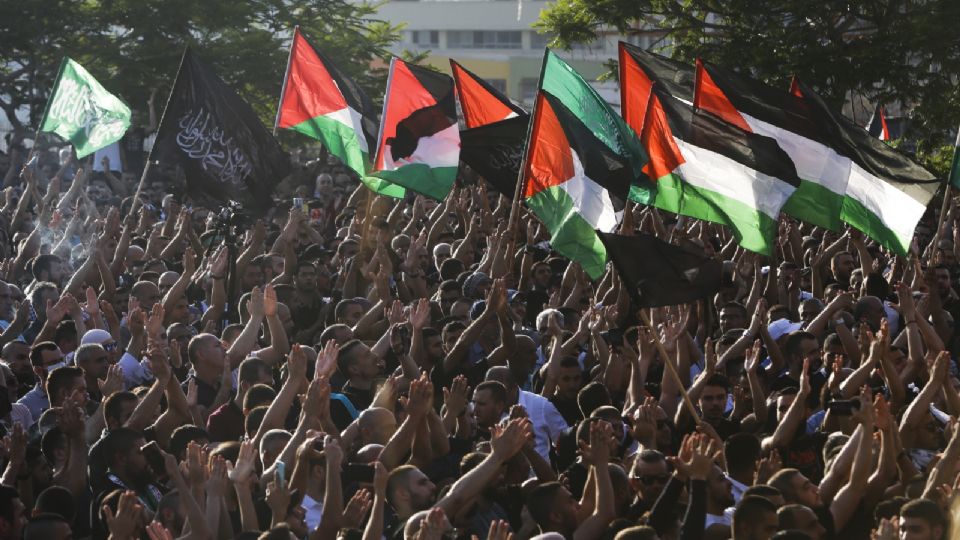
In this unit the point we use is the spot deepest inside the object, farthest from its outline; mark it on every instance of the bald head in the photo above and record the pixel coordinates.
(376, 425)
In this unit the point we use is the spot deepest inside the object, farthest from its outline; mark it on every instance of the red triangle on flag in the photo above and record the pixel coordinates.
(480, 103)
(309, 90)
(549, 159)
(709, 97)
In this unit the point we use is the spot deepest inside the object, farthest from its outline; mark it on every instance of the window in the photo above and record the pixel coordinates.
(483, 39)
(425, 38)
(538, 41)
(528, 89)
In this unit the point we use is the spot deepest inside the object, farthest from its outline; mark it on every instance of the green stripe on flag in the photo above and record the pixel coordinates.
(341, 140)
(570, 234)
(753, 229)
(816, 204)
(862, 219)
(434, 182)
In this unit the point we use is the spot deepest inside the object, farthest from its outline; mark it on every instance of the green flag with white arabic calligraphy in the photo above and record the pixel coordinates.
(83, 112)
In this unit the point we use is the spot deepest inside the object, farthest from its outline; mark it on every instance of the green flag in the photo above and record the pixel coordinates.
(83, 112)
(955, 170)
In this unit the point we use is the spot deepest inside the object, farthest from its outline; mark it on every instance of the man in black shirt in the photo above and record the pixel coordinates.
(361, 367)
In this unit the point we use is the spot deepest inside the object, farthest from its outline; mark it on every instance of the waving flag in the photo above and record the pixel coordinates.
(705, 167)
(419, 143)
(83, 112)
(574, 183)
(320, 101)
(226, 153)
(481, 103)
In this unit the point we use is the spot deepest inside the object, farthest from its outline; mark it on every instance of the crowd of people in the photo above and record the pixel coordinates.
(353, 366)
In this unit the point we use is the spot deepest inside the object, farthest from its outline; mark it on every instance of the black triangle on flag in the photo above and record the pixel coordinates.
(224, 150)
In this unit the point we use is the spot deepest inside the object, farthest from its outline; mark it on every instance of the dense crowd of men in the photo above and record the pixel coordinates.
(352, 366)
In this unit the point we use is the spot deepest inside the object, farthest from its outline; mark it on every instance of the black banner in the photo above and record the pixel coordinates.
(495, 151)
(224, 149)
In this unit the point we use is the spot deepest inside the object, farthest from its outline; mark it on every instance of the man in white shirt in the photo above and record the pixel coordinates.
(547, 421)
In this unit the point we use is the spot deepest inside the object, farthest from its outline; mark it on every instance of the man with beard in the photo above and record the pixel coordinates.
(307, 303)
(719, 497)
(409, 490)
(127, 467)
(16, 355)
(711, 390)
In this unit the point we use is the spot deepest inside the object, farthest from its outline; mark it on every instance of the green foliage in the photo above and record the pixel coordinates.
(885, 50)
(134, 46)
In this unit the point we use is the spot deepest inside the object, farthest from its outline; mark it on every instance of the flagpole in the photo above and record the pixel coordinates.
(286, 74)
(944, 207)
(163, 115)
(671, 368)
(46, 110)
(521, 176)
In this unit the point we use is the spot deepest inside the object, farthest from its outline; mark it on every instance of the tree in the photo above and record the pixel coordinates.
(134, 46)
(885, 50)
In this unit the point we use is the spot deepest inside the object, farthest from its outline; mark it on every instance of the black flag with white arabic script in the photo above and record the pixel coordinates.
(226, 153)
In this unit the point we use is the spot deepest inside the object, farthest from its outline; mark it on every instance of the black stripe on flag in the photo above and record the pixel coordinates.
(608, 169)
(495, 151)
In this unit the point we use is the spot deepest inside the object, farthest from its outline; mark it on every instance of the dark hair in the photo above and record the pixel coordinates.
(926, 510)
(113, 405)
(257, 395)
(541, 502)
(36, 296)
(751, 510)
(742, 450)
(52, 440)
(592, 396)
(39, 526)
(253, 420)
(250, 370)
(762, 490)
(119, 441)
(782, 480)
(183, 436)
(497, 390)
(718, 380)
(342, 306)
(56, 500)
(7, 495)
(42, 263)
(345, 356)
(59, 380)
(36, 352)
(792, 346)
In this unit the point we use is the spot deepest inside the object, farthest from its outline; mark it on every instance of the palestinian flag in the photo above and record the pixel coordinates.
(877, 126)
(705, 167)
(887, 193)
(319, 101)
(481, 103)
(565, 84)
(573, 182)
(83, 112)
(419, 143)
(763, 109)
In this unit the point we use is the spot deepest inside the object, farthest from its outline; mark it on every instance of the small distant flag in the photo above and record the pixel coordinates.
(878, 124)
(226, 153)
(83, 112)
(419, 143)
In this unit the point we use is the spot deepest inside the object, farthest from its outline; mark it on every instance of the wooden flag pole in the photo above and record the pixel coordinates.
(671, 368)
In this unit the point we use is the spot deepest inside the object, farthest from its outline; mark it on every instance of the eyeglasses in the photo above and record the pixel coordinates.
(651, 479)
(110, 347)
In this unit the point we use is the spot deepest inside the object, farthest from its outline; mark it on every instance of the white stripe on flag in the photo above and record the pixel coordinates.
(717, 173)
(590, 199)
(898, 211)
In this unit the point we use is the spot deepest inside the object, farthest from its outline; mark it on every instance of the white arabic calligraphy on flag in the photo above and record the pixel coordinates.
(200, 138)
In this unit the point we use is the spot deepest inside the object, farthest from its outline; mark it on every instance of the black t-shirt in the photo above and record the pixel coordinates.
(804, 453)
(360, 398)
(206, 393)
(568, 409)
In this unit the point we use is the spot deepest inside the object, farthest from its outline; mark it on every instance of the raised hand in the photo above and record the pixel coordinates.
(255, 306)
(297, 363)
(113, 383)
(456, 397)
(380, 477)
(420, 314)
(597, 451)
(242, 472)
(356, 508)
(327, 359)
(269, 301)
(217, 477)
(278, 498)
(421, 396)
(505, 442)
(129, 514)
